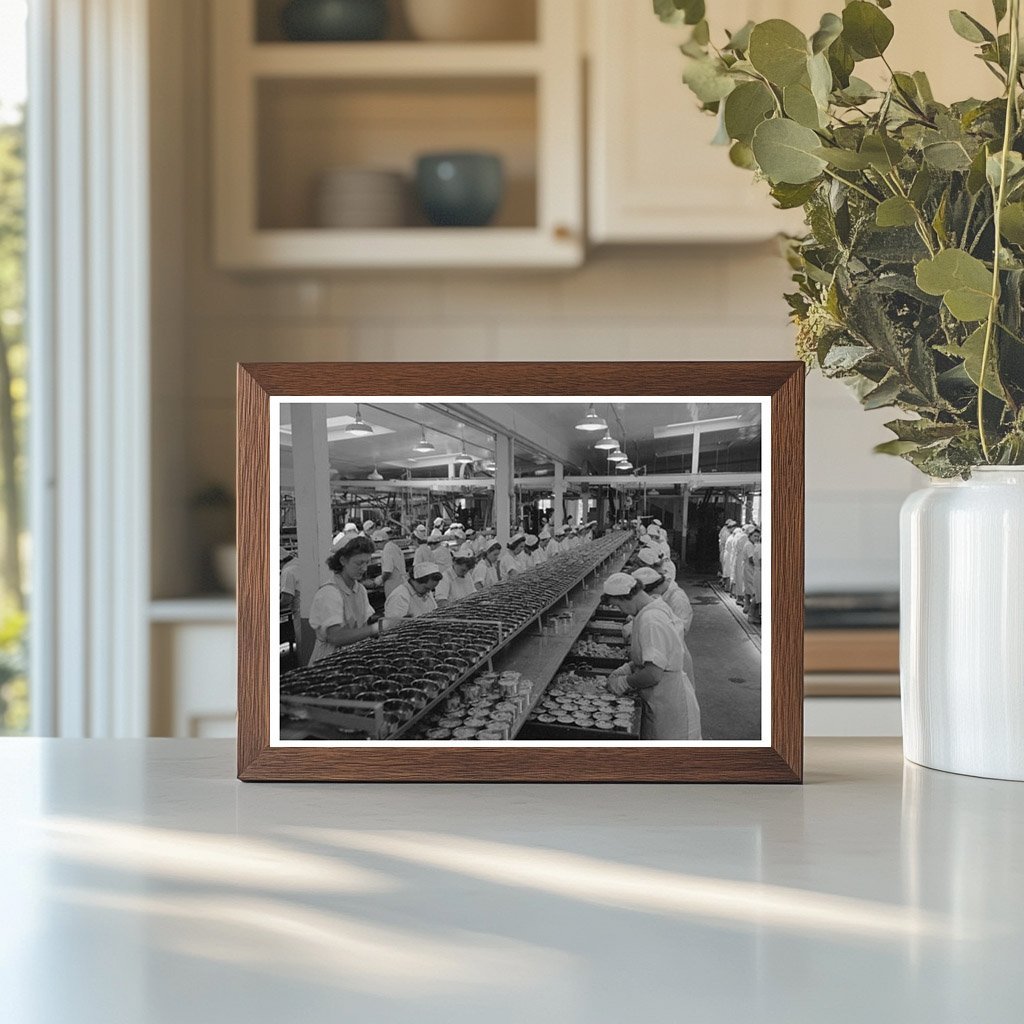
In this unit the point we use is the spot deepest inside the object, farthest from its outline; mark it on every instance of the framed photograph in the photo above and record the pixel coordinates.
(520, 572)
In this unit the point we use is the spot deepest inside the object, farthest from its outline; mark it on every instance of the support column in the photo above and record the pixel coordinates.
(685, 528)
(312, 509)
(503, 486)
(696, 452)
(558, 518)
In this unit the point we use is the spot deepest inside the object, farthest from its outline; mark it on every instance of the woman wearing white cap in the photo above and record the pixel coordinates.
(457, 582)
(657, 586)
(540, 556)
(426, 551)
(341, 611)
(555, 546)
(739, 564)
(531, 549)
(442, 554)
(655, 668)
(392, 566)
(415, 597)
(512, 561)
(723, 535)
(729, 561)
(753, 577)
(289, 590)
(486, 572)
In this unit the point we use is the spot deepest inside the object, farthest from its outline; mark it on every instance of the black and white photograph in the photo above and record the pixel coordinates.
(460, 570)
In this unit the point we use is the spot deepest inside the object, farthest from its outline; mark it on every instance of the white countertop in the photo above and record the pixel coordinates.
(142, 884)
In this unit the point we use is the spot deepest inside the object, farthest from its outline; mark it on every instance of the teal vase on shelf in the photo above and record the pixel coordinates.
(331, 21)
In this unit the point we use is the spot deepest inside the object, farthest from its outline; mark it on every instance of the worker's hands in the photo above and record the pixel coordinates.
(617, 685)
(627, 629)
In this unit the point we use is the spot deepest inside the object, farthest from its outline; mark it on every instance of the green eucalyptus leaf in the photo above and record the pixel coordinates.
(939, 220)
(883, 153)
(741, 155)
(976, 173)
(946, 156)
(858, 91)
(785, 152)
(884, 395)
(884, 4)
(1012, 223)
(841, 60)
(923, 431)
(745, 108)
(921, 185)
(963, 281)
(789, 197)
(739, 41)
(829, 30)
(820, 76)
(676, 12)
(800, 105)
(778, 50)
(971, 352)
(895, 212)
(866, 29)
(994, 167)
(844, 159)
(999, 7)
(701, 33)
(969, 28)
(924, 87)
(895, 447)
(707, 80)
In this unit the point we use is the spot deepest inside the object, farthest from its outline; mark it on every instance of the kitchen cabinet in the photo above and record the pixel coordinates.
(286, 113)
(653, 175)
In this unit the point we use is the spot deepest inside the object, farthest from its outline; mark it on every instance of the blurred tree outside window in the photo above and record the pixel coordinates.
(14, 702)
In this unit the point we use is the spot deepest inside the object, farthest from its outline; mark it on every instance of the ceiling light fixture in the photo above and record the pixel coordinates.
(463, 459)
(617, 456)
(592, 421)
(424, 447)
(607, 443)
(359, 425)
(375, 475)
(624, 465)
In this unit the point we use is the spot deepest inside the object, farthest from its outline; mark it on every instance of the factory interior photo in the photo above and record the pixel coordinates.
(547, 571)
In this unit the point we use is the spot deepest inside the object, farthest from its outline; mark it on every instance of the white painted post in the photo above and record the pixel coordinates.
(503, 486)
(558, 517)
(312, 506)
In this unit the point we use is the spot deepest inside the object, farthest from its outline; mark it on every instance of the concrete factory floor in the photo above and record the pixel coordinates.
(726, 653)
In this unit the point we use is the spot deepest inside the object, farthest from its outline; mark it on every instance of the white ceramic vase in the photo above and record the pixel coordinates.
(962, 624)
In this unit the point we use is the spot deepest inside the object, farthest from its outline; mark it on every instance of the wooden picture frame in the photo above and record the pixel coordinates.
(780, 759)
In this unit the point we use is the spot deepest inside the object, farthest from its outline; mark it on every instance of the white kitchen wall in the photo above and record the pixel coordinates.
(714, 302)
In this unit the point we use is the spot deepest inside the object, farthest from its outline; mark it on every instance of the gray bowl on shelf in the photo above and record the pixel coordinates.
(334, 21)
(460, 189)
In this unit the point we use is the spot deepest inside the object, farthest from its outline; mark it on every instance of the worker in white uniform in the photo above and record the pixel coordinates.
(544, 540)
(739, 565)
(289, 590)
(457, 582)
(723, 535)
(729, 562)
(392, 565)
(655, 667)
(752, 572)
(341, 611)
(415, 597)
(531, 548)
(657, 586)
(485, 574)
(427, 550)
(512, 561)
(555, 546)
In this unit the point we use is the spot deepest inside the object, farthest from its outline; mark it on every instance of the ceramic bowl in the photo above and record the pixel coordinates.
(334, 20)
(460, 189)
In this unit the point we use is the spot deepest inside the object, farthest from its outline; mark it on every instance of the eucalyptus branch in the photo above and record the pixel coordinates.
(1000, 198)
(853, 185)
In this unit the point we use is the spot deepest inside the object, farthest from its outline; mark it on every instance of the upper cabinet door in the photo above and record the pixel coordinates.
(653, 174)
(301, 132)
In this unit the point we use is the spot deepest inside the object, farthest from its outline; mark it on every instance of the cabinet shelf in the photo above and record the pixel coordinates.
(286, 114)
(392, 60)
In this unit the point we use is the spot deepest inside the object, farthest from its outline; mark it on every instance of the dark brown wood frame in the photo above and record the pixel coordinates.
(781, 762)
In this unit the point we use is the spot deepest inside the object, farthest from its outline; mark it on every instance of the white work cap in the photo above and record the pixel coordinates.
(750, 527)
(495, 545)
(619, 584)
(648, 540)
(532, 541)
(420, 531)
(656, 522)
(545, 534)
(369, 524)
(457, 526)
(649, 556)
(519, 538)
(647, 576)
(351, 528)
(425, 569)
(435, 537)
(560, 532)
(464, 554)
(653, 530)
(439, 521)
(470, 531)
